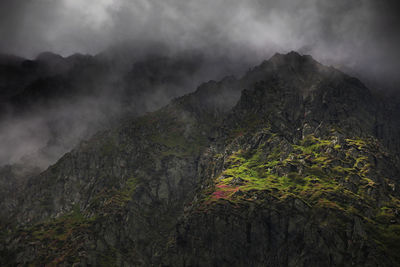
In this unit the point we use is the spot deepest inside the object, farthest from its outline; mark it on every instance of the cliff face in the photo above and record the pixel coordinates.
(297, 169)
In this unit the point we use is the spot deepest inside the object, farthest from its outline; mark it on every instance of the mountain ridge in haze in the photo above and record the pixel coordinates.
(50, 103)
(293, 164)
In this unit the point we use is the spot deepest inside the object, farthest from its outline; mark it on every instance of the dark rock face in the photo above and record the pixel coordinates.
(290, 171)
(301, 205)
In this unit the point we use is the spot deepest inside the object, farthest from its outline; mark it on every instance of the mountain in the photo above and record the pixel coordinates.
(50, 103)
(293, 164)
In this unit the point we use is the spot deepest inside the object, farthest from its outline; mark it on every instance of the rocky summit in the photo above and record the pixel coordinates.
(293, 164)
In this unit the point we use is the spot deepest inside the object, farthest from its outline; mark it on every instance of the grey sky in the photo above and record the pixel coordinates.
(361, 34)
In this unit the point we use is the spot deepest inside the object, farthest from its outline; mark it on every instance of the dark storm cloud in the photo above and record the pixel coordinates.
(341, 32)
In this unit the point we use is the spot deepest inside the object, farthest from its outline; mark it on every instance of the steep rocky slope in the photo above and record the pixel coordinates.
(294, 164)
(50, 103)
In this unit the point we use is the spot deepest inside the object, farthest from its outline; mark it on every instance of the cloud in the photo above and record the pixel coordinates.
(362, 34)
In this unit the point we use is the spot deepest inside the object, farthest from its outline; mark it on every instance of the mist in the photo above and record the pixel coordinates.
(227, 37)
(69, 99)
(361, 34)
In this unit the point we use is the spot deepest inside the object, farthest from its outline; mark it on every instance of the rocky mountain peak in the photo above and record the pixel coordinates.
(281, 167)
(49, 57)
(291, 57)
(293, 61)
